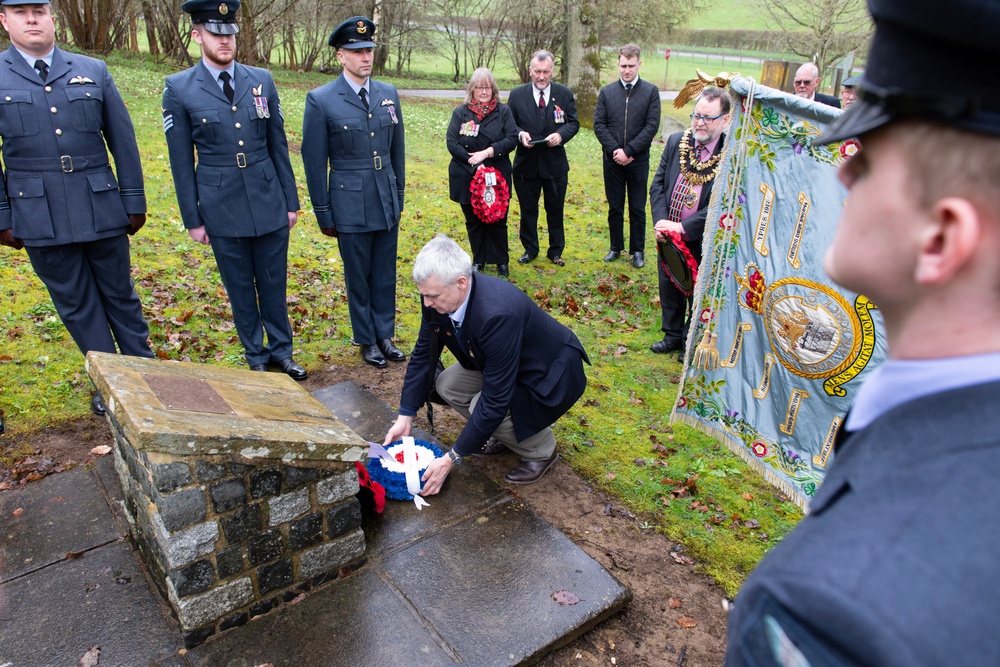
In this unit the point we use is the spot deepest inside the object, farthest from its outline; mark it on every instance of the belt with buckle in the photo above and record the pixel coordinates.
(67, 164)
(377, 163)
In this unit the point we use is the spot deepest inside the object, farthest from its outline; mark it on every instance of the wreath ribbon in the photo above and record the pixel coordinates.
(412, 471)
(489, 202)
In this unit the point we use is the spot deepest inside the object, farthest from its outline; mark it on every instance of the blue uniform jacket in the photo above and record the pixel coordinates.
(243, 185)
(896, 564)
(354, 159)
(58, 186)
(532, 365)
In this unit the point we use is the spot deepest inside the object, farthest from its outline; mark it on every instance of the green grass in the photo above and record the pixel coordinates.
(618, 436)
(730, 15)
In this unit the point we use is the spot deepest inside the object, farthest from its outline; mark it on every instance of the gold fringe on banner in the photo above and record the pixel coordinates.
(694, 87)
(736, 447)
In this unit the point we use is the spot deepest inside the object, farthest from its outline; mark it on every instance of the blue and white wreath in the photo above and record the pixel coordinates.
(399, 470)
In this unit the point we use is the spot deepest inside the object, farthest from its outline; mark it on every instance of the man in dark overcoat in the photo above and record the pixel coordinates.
(679, 198)
(518, 370)
(353, 153)
(545, 113)
(626, 119)
(896, 564)
(60, 114)
(240, 197)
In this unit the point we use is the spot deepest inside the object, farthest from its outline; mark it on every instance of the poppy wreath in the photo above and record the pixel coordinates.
(391, 474)
(489, 203)
(688, 259)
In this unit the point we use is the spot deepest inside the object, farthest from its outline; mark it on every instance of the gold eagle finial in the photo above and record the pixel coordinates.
(694, 87)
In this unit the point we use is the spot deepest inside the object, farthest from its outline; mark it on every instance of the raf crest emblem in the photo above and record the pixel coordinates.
(223, 8)
(362, 28)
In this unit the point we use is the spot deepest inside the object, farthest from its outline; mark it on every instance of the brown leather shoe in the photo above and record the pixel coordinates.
(530, 472)
(493, 447)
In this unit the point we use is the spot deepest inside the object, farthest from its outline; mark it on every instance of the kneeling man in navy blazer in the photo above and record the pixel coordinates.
(518, 369)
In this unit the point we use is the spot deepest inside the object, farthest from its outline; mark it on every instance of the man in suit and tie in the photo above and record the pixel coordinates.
(545, 113)
(240, 197)
(353, 153)
(807, 81)
(679, 196)
(626, 119)
(59, 198)
(895, 564)
(518, 369)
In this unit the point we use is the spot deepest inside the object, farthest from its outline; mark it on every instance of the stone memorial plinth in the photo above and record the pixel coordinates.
(239, 486)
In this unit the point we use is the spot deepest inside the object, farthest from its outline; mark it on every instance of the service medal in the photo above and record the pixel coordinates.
(392, 114)
(470, 129)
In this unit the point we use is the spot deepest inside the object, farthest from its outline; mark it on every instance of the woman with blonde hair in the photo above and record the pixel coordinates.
(481, 136)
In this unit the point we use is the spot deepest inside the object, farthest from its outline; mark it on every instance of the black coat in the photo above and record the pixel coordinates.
(532, 365)
(896, 564)
(828, 100)
(497, 129)
(663, 186)
(541, 161)
(629, 124)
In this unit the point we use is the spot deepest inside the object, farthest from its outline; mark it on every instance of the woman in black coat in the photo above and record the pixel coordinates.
(482, 133)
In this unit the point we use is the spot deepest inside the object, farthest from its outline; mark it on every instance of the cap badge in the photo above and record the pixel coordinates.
(223, 8)
(362, 28)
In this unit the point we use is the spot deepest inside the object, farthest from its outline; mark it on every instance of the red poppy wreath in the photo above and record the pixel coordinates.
(489, 202)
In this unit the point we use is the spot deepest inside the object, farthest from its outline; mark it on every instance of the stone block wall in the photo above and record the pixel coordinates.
(230, 538)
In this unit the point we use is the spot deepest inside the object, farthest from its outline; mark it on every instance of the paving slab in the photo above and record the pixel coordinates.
(361, 621)
(53, 616)
(487, 584)
(43, 521)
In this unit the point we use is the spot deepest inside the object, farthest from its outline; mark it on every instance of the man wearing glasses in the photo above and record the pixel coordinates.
(807, 81)
(679, 199)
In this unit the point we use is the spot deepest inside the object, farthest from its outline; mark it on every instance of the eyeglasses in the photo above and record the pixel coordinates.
(708, 120)
(803, 82)
(484, 87)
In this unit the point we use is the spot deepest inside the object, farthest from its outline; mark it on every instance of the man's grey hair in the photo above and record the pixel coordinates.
(542, 55)
(443, 258)
(811, 68)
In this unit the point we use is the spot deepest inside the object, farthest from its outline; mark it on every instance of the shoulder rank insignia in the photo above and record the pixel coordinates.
(81, 79)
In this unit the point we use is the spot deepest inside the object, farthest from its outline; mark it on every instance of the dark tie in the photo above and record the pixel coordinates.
(364, 97)
(628, 89)
(227, 87)
(541, 102)
(43, 69)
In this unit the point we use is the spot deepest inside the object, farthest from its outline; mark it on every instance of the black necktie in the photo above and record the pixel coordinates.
(628, 89)
(43, 69)
(227, 87)
(364, 97)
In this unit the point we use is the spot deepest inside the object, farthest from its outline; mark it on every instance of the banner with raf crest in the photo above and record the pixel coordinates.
(776, 350)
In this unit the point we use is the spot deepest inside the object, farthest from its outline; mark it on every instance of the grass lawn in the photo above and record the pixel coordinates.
(618, 436)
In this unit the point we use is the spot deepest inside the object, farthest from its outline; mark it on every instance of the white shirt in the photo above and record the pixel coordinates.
(459, 315)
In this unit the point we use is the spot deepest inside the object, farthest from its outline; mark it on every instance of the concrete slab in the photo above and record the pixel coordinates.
(486, 585)
(52, 616)
(361, 621)
(45, 520)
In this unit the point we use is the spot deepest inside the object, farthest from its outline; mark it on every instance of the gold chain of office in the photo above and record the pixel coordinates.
(694, 170)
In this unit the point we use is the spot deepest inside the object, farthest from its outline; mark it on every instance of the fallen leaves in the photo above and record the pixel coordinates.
(18, 512)
(687, 622)
(674, 603)
(90, 658)
(565, 598)
(100, 450)
(681, 559)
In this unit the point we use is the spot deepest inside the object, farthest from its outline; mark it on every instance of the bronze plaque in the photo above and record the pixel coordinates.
(187, 394)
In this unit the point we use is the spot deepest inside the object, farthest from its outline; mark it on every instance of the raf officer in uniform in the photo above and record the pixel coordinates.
(60, 113)
(896, 563)
(241, 197)
(352, 150)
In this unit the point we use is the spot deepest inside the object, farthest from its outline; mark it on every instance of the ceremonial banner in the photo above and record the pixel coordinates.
(776, 351)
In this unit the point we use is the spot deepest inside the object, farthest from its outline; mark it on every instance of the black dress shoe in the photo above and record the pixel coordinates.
(290, 368)
(260, 368)
(557, 260)
(612, 255)
(525, 258)
(390, 351)
(503, 271)
(637, 260)
(478, 268)
(666, 345)
(530, 472)
(493, 447)
(97, 405)
(373, 356)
